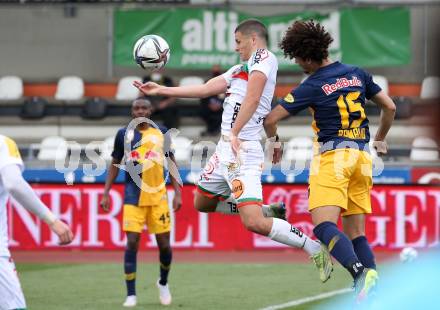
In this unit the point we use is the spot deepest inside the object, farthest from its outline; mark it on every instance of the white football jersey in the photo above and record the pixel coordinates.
(9, 155)
(237, 78)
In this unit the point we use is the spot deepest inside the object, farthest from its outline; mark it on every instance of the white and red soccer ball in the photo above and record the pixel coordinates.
(151, 52)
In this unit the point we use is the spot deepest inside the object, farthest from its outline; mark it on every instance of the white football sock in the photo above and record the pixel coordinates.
(311, 246)
(288, 234)
(229, 206)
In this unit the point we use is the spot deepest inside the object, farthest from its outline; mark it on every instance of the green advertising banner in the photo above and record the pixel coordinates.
(199, 38)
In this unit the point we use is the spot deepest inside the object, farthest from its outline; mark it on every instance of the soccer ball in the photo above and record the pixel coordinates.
(408, 255)
(151, 52)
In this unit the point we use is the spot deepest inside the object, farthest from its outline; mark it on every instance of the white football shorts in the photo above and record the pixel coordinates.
(11, 294)
(225, 174)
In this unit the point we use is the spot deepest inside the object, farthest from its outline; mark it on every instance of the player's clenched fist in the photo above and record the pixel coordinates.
(105, 203)
(381, 147)
(62, 231)
(277, 153)
(177, 201)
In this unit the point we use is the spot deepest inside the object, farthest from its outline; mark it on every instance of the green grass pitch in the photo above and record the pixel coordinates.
(193, 286)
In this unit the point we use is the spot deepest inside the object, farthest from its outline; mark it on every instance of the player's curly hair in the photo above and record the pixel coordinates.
(307, 40)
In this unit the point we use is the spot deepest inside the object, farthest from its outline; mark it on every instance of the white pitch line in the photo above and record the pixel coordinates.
(308, 299)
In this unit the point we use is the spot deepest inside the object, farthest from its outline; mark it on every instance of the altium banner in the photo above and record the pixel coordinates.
(199, 38)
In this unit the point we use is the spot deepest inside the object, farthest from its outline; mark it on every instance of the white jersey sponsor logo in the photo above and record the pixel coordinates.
(8, 155)
(237, 77)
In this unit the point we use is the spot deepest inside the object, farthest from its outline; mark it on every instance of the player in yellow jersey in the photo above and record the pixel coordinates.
(145, 196)
(341, 170)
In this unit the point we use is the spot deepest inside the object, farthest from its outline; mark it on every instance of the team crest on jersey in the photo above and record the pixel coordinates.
(260, 55)
(240, 73)
(236, 70)
(233, 166)
(233, 171)
(289, 98)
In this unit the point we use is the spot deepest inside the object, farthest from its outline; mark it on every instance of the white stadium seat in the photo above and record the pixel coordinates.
(106, 148)
(188, 81)
(126, 91)
(11, 88)
(191, 80)
(430, 88)
(52, 148)
(182, 149)
(70, 88)
(382, 82)
(424, 149)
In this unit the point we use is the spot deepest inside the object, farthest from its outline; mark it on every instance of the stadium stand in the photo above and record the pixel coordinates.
(430, 88)
(382, 82)
(424, 149)
(191, 80)
(94, 108)
(299, 148)
(11, 89)
(33, 108)
(182, 149)
(106, 148)
(52, 147)
(125, 90)
(70, 88)
(101, 114)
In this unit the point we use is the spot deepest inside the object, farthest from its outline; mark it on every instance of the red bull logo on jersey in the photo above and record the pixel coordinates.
(341, 83)
(137, 156)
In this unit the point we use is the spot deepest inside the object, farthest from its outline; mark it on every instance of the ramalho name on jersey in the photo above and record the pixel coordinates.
(336, 95)
(237, 77)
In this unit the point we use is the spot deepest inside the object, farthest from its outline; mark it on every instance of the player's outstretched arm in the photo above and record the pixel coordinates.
(21, 191)
(388, 110)
(214, 86)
